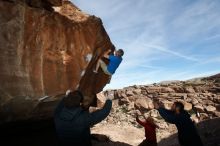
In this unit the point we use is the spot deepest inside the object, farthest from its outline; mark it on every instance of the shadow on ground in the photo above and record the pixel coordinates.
(110, 143)
(42, 133)
(38, 133)
(209, 131)
(29, 133)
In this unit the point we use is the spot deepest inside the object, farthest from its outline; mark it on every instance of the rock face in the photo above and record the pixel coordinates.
(197, 95)
(44, 53)
(46, 4)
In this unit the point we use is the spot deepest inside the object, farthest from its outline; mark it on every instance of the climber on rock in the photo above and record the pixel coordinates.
(150, 131)
(73, 123)
(187, 133)
(114, 62)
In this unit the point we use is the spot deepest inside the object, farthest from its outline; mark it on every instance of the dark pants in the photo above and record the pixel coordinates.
(148, 143)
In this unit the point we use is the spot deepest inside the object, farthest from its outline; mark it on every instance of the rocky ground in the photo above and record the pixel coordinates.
(120, 127)
(201, 98)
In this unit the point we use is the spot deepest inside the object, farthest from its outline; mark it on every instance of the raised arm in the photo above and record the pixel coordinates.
(167, 115)
(106, 55)
(139, 121)
(101, 114)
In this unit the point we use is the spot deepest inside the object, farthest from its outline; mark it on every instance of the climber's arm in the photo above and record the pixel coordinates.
(106, 55)
(139, 121)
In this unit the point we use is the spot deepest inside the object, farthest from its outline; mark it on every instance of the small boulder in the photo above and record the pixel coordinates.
(199, 108)
(195, 101)
(178, 89)
(141, 104)
(153, 90)
(210, 109)
(129, 93)
(137, 91)
(217, 113)
(167, 90)
(144, 104)
(166, 104)
(189, 89)
(187, 106)
(204, 116)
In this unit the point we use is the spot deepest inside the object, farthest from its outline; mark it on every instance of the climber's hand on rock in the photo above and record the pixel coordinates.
(108, 51)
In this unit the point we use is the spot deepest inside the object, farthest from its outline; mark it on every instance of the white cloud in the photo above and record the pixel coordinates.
(163, 49)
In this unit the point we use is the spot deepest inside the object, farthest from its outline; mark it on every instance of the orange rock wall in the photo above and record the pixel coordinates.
(34, 44)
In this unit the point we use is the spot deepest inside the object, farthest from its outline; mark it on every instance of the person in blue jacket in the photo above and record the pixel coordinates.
(114, 62)
(73, 123)
(187, 132)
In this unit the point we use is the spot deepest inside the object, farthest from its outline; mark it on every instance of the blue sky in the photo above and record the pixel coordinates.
(163, 39)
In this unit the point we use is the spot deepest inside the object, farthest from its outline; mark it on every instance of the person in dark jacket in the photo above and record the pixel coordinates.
(73, 123)
(187, 133)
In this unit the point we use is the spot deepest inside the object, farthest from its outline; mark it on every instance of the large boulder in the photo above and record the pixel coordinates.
(189, 89)
(43, 54)
(144, 103)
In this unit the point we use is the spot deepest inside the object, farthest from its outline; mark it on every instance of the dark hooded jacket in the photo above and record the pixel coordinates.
(187, 132)
(73, 125)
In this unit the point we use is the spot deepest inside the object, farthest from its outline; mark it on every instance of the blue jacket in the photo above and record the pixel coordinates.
(187, 132)
(73, 125)
(114, 62)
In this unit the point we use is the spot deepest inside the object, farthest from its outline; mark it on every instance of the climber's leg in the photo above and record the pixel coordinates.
(103, 67)
(97, 66)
